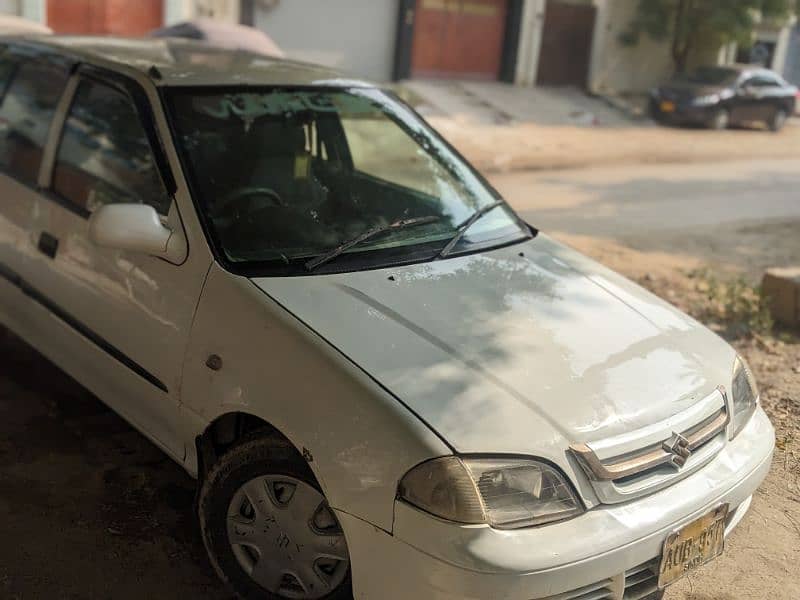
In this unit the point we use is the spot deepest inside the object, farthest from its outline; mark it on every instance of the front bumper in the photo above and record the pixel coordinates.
(683, 113)
(585, 557)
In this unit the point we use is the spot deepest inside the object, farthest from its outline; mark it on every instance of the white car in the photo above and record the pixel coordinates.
(386, 383)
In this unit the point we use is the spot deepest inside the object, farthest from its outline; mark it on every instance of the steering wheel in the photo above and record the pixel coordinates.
(231, 200)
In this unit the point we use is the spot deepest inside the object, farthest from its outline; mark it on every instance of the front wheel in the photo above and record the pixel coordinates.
(778, 119)
(268, 529)
(720, 119)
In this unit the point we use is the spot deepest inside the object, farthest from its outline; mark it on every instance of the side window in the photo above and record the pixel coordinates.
(761, 81)
(25, 115)
(104, 155)
(770, 80)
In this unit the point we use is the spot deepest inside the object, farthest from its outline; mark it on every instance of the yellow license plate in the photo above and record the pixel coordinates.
(693, 545)
(667, 106)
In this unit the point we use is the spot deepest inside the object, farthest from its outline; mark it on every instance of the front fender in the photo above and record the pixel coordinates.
(361, 440)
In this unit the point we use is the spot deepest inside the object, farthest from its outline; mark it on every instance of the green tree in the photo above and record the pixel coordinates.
(687, 23)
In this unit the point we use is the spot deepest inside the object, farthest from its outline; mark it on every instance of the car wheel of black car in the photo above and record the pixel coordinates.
(267, 527)
(778, 119)
(721, 119)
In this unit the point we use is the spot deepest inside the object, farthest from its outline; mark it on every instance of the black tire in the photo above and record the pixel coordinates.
(720, 119)
(778, 119)
(253, 457)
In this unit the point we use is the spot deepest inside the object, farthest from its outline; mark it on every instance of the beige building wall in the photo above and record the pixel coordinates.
(30, 9)
(530, 42)
(176, 11)
(616, 68)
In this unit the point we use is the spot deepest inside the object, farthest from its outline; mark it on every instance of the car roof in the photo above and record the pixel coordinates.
(747, 70)
(184, 62)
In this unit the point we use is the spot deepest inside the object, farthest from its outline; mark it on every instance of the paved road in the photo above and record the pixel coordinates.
(620, 201)
(745, 215)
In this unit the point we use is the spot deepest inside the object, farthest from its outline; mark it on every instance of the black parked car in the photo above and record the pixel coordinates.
(718, 97)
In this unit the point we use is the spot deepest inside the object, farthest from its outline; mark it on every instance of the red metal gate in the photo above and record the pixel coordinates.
(458, 38)
(120, 17)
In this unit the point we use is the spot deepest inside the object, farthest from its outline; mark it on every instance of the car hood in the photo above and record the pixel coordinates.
(523, 349)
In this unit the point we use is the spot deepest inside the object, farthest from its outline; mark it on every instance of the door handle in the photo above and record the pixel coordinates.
(48, 244)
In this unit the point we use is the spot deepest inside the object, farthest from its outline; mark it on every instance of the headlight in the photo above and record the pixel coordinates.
(744, 394)
(505, 493)
(706, 100)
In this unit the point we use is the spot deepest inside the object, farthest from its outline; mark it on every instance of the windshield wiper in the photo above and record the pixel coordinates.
(369, 234)
(462, 229)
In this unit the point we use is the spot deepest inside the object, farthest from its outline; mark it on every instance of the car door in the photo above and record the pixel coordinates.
(773, 96)
(756, 99)
(122, 318)
(743, 105)
(31, 85)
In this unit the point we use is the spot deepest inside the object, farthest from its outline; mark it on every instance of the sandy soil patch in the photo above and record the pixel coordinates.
(498, 148)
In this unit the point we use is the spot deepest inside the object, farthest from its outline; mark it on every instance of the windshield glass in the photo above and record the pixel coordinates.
(286, 175)
(710, 76)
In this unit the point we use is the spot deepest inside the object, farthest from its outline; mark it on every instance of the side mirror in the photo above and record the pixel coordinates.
(135, 227)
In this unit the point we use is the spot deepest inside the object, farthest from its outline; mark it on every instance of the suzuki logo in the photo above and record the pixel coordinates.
(678, 447)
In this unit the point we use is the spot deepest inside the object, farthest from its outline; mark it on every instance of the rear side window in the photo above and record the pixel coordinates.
(26, 112)
(104, 156)
(762, 80)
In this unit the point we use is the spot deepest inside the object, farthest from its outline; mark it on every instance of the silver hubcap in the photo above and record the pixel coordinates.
(286, 537)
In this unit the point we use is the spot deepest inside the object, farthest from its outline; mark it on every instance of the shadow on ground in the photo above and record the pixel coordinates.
(89, 508)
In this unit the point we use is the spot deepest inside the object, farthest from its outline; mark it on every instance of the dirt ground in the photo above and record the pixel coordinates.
(89, 509)
(494, 148)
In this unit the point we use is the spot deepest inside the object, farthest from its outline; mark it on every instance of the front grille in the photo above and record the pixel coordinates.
(641, 581)
(602, 590)
(679, 96)
(645, 460)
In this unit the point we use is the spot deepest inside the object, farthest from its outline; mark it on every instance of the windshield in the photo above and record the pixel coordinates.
(710, 76)
(283, 176)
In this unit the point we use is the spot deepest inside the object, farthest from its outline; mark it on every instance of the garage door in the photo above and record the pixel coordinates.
(458, 38)
(356, 36)
(566, 44)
